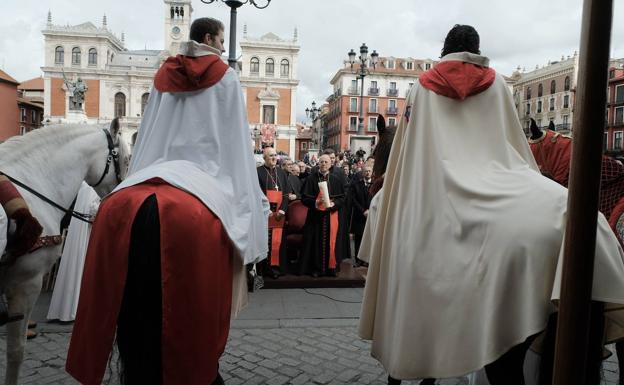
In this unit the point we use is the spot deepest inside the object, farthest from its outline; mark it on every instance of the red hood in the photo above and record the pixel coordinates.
(457, 79)
(186, 73)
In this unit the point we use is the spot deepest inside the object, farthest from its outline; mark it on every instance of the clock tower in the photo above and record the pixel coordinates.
(177, 23)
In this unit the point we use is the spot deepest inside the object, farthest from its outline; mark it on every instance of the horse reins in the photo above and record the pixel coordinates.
(112, 157)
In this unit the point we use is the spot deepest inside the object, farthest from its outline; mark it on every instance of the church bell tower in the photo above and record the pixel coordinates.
(177, 23)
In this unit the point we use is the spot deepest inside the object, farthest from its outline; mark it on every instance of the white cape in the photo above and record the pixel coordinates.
(465, 240)
(64, 302)
(199, 142)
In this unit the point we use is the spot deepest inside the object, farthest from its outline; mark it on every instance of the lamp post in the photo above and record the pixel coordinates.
(364, 64)
(234, 5)
(314, 113)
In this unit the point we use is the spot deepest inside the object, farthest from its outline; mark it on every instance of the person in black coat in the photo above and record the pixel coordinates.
(360, 199)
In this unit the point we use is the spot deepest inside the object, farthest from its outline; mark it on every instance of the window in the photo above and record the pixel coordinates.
(566, 84)
(565, 120)
(92, 57)
(528, 109)
(76, 56)
(304, 145)
(617, 140)
(605, 140)
(353, 105)
(391, 64)
(539, 106)
(619, 94)
(144, 99)
(393, 85)
(566, 101)
(392, 103)
(539, 122)
(373, 83)
(619, 116)
(528, 93)
(427, 66)
(120, 104)
(611, 74)
(391, 122)
(269, 67)
(22, 130)
(254, 65)
(372, 105)
(59, 55)
(553, 87)
(22, 115)
(284, 68)
(372, 123)
(33, 117)
(540, 90)
(552, 104)
(268, 114)
(353, 123)
(409, 65)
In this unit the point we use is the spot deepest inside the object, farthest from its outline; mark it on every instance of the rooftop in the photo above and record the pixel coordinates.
(35, 84)
(7, 78)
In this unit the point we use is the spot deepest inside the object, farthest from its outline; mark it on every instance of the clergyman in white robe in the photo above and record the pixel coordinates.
(66, 292)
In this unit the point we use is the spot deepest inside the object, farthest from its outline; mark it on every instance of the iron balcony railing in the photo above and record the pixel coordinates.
(393, 92)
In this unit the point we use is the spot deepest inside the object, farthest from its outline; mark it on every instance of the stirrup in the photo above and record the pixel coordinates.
(4, 312)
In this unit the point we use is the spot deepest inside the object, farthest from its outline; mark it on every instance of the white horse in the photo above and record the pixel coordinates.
(53, 161)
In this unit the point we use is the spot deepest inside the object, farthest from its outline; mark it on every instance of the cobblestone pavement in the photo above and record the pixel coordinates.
(289, 355)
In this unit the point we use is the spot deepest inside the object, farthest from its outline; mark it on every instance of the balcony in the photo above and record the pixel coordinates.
(354, 90)
(392, 111)
(373, 91)
(393, 92)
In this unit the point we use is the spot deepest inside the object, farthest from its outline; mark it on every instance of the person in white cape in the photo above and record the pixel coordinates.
(64, 302)
(164, 271)
(464, 240)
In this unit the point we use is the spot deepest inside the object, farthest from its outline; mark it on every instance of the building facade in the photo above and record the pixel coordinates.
(10, 116)
(547, 94)
(385, 90)
(30, 104)
(614, 133)
(268, 75)
(117, 80)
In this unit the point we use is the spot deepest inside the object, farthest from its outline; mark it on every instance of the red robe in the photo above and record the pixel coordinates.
(553, 153)
(196, 268)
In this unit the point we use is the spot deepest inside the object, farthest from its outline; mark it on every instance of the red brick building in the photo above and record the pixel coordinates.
(303, 141)
(614, 134)
(9, 112)
(385, 90)
(30, 104)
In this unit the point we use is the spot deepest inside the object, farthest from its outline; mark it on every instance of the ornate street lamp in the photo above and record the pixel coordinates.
(234, 5)
(314, 113)
(361, 72)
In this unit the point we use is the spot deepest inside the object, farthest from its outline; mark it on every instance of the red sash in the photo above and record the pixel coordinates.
(333, 231)
(275, 226)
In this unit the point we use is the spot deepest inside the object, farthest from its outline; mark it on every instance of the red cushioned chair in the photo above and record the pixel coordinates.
(295, 219)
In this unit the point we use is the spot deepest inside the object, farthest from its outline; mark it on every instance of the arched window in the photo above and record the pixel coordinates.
(254, 65)
(144, 100)
(92, 57)
(270, 67)
(120, 104)
(566, 84)
(553, 87)
(284, 68)
(76, 55)
(540, 90)
(528, 93)
(59, 55)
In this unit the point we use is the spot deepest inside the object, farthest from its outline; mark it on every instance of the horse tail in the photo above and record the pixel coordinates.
(139, 324)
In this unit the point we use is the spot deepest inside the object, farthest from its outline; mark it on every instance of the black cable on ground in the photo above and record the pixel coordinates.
(326, 296)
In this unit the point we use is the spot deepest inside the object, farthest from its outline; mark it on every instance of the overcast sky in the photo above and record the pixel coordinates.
(527, 33)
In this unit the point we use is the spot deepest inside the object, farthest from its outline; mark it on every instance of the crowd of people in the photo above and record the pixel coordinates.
(294, 191)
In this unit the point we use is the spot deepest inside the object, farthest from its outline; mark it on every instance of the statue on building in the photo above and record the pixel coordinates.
(77, 92)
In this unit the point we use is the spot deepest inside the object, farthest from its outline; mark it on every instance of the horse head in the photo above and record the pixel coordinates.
(110, 166)
(382, 150)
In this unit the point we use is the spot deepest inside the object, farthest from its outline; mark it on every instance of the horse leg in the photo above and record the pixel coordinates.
(21, 300)
(509, 368)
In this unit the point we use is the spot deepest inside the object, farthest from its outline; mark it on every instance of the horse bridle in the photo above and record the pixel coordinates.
(112, 157)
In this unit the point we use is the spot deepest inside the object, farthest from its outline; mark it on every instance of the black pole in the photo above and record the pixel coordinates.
(577, 332)
(232, 55)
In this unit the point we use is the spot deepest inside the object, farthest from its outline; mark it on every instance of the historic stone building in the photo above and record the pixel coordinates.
(385, 90)
(613, 141)
(268, 75)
